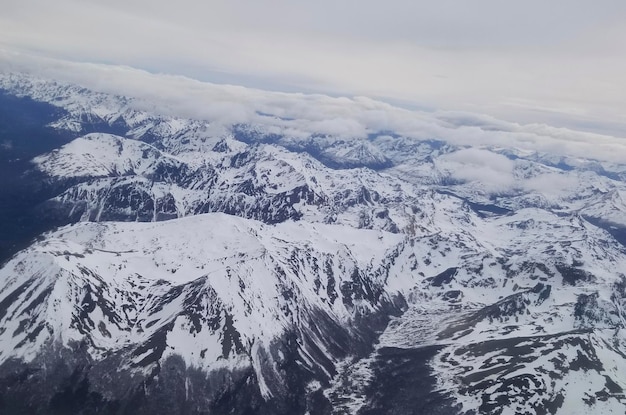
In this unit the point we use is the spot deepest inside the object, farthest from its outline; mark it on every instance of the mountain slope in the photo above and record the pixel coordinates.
(214, 291)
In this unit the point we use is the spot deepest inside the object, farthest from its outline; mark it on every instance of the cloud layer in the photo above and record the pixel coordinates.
(560, 62)
(301, 115)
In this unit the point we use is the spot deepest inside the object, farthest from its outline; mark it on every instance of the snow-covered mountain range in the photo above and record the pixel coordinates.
(284, 263)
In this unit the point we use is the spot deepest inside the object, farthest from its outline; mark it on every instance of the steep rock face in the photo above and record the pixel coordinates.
(253, 268)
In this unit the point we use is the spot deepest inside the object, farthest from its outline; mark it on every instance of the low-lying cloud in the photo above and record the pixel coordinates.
(493, 171)
(559, 62)
(302, 115)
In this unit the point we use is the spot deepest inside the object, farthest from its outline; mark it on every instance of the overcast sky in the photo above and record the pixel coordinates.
(561, 62)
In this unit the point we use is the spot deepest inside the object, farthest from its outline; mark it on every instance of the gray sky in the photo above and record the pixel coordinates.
(559, 62)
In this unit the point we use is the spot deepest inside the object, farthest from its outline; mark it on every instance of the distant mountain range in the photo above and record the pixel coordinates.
(156, 264)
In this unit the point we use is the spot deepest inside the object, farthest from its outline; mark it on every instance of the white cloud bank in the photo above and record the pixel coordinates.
(300, 115)
(560, 62)
(493, 171)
